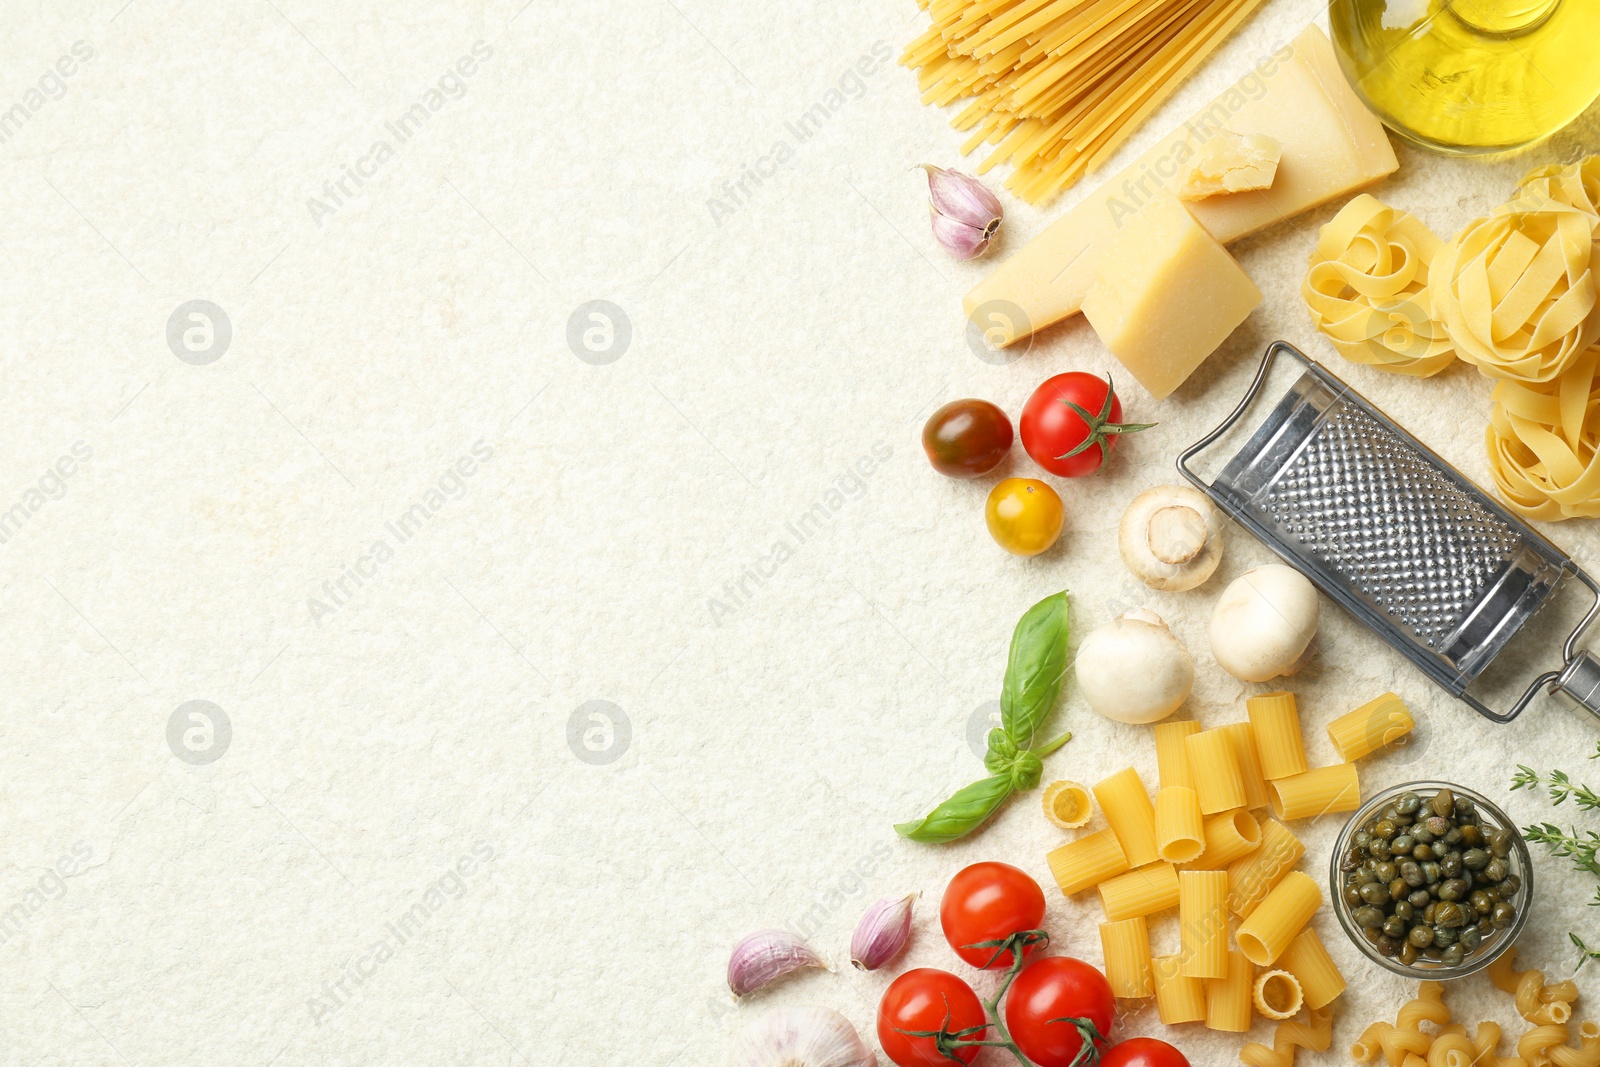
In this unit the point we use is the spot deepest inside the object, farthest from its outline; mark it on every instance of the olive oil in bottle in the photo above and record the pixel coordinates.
(1471, 75)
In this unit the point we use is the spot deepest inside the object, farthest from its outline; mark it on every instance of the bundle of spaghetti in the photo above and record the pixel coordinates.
(1537, 1001)
(1316, 1034)
(1058, 85)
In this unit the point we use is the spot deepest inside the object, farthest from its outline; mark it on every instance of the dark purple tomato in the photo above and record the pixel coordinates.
(967, 438)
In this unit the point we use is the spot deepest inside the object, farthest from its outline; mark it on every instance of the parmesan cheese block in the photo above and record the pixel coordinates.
(1331, 146)
(1231, 163)
(1167, 295)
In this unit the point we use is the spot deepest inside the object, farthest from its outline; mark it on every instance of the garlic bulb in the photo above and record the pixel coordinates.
(882, 932)
(965, 214)
(801, 1037)
(766, 956)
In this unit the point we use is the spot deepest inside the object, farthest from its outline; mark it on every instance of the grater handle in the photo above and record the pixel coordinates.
(1274, 350)
(1578, 683)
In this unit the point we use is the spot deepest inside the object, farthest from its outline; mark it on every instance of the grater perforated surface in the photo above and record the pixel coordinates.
(1377, 513)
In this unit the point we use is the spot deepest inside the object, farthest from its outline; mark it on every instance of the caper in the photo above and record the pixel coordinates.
(1421, 936)
(1443, 803)
(1481, 902)
(1503, 915)
(1352, 896)
(1411, 873)
(1408, 953)
(1454, 836)
(1454, 889)
(1510, 886)
(1423, 835)
(1385, 829)
(1500, 842)
(1420, 898)
(1387, 946)
(1365, 876)
(1431, 872)
(1452, 956)
(1380, 850)
(1444, 936)
(1404, 909)
(1496, 871)
(1422, 851)
(1403, 844)
(1466, 810)
(1407, 803)
(1367, 915)
(1470, 938)
(1372, 933)
(1475, 859)
(1388, 811)
(1471, 836)
(1437, 825)
(1450, 914)
(1395, 927)
(1373, 893)
(1362, 838)
(1451, 864)
(1386, 871)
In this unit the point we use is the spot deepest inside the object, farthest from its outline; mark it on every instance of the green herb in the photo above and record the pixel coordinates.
(1588, 953)
(1034, 670)
(1582, 847)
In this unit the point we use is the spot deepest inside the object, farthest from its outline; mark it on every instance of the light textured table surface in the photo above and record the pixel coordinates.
(776, 710)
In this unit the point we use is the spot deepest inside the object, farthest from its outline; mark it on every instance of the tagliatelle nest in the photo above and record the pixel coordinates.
(1544, 443)
(1367, 289)
(1515, 289)
(1574, 184)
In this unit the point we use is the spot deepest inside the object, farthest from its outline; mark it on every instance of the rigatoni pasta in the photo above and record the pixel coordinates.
(1279, 918)
(1203, 923)
(1243, 737)
(1214, 765)
(1126, 945)
(1229, 835)
(1250, 879)
(1179, 998)
(1228, 999)
(1132, 817)
(1172, 757)
(1308, 960)
(1373, 725)
(1277, 995)
(1276, 721)
(1180, 828)
(1319, 792)
(1143, 891)
(1086, 862)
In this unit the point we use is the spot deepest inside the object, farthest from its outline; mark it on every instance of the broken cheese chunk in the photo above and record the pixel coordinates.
(1167, 294)
(1232, 163)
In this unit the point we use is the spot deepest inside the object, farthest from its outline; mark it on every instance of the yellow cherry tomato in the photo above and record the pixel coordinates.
(1024, 516)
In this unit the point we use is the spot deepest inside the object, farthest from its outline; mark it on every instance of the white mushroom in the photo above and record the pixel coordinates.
(1264, 623)
(1133, 669)
(1171, 538)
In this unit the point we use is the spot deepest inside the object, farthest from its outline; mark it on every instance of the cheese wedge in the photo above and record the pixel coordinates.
(1231, 163)
(1167, 295)
(1331, 145)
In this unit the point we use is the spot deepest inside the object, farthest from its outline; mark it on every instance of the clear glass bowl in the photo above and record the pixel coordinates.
(1489, 815)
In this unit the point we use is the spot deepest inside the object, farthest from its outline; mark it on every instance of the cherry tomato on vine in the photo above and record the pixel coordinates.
(1143, 1052)
(986, 902)
(1071, 423)
(967, 438)
(1024, 516)
(1054, 1006)
(927, 999)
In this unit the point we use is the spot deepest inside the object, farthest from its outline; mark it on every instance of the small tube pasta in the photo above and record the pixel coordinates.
(1086, 862)
(1250, 879)
(1180, 828)
(1316, 1034)
(1228, 999)
(1215, 768)
(1243, 737)
(1229, 835)
(1279, 918)
(1319, 792)
(1126, 945)
(1377, 723)
(1538, 1044)
(1308, 960)
(1172, 757)
(1369, 1046)
(1276, 722)
(1536, 1001)
(1068, 804)
(1452, 1050)
(1277, 995)
(1143, 891)
(1203, 923)
(1132, 817)
(1179, 998)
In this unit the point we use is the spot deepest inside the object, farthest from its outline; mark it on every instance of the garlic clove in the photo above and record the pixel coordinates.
(801, 1037)
(765, 956)
(882, 932)
(965, 214)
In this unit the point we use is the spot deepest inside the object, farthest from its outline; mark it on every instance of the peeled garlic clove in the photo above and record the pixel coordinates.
(765, 956)
(801, 1037)
(964, 212)
(882, 932)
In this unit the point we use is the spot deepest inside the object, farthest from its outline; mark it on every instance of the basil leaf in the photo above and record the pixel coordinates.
(963, 813)
(1034, 669)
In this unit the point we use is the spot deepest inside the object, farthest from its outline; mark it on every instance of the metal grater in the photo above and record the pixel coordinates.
(1394, 534)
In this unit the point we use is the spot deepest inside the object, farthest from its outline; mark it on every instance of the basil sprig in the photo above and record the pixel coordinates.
(1034, 669)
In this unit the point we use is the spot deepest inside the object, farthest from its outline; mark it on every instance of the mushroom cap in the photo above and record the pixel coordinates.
(1133, 669)
(1264, 623)
(1171, 538)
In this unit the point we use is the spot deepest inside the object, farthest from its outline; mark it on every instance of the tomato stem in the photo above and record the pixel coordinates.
(1100, 426)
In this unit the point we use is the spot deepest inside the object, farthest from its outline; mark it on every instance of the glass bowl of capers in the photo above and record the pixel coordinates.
(1431, 880)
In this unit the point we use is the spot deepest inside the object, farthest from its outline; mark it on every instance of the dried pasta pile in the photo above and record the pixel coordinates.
(1514, 294)
(1548, 1041)
(1057, 85)
(1234, 866)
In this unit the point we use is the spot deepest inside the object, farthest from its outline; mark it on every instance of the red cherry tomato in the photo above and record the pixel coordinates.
(987, 902)
(966, 438)
(1143, 1052)
(927, 999)
(1045, 1002)
(1071, 423)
